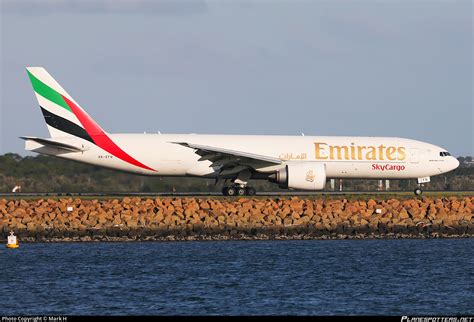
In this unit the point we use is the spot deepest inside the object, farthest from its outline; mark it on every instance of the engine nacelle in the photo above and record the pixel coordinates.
(301, 175)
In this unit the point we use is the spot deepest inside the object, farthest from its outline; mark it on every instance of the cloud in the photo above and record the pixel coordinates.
(166, 7)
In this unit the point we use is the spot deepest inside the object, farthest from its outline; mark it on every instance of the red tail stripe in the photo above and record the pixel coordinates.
(100, 138)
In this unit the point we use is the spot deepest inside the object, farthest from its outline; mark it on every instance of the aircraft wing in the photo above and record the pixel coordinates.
(232, 161)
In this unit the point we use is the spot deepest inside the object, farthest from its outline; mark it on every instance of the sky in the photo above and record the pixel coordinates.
(355, 68)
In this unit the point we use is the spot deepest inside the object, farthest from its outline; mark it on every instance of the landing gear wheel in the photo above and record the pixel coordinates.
(230, 191)
(240, 191)
(250, 191)
(224, 191)
(418, 191)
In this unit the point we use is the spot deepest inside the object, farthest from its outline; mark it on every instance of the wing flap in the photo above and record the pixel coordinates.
(209, 152)
(233, 161)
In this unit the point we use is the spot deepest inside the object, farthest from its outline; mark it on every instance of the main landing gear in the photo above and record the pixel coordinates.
(239, 185)
(238, 191)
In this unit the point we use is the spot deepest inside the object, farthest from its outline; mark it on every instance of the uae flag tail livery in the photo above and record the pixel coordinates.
(65, 117)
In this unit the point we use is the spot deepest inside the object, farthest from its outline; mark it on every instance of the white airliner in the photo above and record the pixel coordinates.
(294, 162)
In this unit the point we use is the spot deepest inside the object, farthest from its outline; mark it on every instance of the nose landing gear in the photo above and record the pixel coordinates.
(418, 191)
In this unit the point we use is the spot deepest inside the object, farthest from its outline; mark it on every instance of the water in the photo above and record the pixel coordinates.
(315, 277)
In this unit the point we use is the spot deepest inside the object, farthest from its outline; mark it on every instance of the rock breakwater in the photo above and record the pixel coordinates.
(144, 219)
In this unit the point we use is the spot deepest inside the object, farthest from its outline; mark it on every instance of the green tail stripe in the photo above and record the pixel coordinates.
(47, 92)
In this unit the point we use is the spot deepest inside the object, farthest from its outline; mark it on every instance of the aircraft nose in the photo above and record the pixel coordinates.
(454, 163)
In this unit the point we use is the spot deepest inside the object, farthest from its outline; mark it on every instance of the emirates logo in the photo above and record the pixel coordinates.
(310, 176)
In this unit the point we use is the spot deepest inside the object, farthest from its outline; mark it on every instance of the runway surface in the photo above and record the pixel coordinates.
(219, 194)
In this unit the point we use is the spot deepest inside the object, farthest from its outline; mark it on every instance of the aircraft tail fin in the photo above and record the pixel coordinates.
(64, 116)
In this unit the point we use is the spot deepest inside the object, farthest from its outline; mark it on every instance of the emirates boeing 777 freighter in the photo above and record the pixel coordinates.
(293, 162)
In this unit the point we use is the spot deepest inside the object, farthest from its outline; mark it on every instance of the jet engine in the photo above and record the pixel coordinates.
(301, 175)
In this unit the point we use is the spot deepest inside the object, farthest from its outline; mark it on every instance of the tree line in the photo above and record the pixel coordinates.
(49, 174)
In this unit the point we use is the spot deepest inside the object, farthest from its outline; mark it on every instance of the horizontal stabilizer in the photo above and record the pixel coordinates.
(53, 143)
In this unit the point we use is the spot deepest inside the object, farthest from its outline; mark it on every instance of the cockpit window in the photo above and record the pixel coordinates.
(444, 154)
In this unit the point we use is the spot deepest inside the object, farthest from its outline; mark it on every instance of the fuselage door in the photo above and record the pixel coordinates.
(414, 155)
